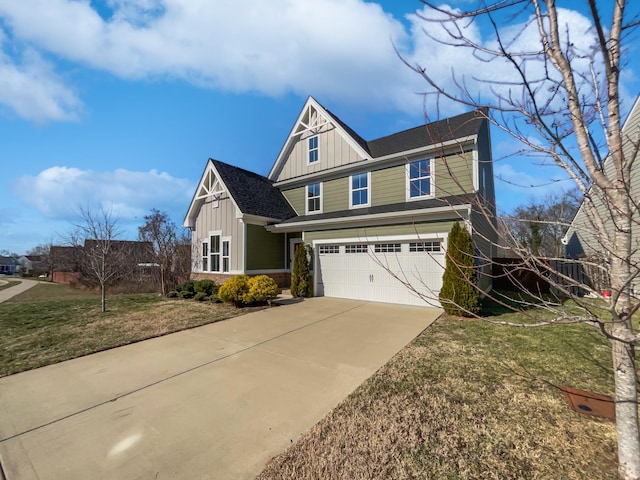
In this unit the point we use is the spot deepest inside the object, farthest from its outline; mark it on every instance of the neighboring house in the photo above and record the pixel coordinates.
(369, 210)
(9, 265)
(130, 262)
(65, 264)
(582, 238)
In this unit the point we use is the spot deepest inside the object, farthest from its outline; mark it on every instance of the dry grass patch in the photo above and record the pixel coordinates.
(52, 323)
(467, 400)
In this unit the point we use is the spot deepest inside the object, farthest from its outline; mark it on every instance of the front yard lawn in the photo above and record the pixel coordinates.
(468, 400)
(51, 323)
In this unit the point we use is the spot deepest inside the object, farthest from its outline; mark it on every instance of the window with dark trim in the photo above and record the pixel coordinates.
(358, 248)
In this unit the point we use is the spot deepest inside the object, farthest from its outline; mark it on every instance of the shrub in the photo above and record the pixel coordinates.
(186, 289)
(459, 295)
(262, 288)
(234, 289)
(172, 294)
(206, 286)
(301, 285)
(200, 296)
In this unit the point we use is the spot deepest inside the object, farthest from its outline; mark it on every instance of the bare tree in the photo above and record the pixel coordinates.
(102, 259)
(540, 225)
(169, 247)
(557, 94)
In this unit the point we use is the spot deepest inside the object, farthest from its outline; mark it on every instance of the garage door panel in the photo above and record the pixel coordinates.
(367, 276)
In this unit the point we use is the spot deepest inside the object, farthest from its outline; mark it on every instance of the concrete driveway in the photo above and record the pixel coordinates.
(214, 402)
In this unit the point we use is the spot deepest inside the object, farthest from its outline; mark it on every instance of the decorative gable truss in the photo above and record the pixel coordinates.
(318, 141)
(210, 190)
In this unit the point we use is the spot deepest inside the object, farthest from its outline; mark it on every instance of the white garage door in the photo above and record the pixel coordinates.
(368, 271)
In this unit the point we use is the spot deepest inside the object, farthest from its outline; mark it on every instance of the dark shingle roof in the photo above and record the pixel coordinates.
(361, 141)
(406, 207)
(459, 126)
(436, 132)
(253, 193)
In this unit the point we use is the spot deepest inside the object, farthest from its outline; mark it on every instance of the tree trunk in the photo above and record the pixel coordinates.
(623, 352)
(624, 371)
(103, 297)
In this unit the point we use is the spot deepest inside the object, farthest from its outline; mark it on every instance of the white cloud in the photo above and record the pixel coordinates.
(59, 192)
(339, 50)
(33, 90)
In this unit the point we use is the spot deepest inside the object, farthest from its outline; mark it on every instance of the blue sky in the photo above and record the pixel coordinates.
(118, 103)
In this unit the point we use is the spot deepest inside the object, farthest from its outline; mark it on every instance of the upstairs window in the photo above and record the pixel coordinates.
(420, 178)
(360, 190)
(314, 198)
(313, 149)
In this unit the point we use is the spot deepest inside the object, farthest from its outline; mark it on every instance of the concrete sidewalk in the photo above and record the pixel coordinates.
(213, 402)
(10, 292)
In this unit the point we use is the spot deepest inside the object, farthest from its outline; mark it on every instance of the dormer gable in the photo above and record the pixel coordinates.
(318, 141)
(211, 189)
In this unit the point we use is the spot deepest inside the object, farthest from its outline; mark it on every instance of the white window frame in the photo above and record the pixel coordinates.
(213, 254)
(226, 257)
(430, 177)
(306, 199)
(367, 188)
(205, 256)
(311, 150)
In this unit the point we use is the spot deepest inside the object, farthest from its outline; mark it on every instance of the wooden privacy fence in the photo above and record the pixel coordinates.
(560, 276)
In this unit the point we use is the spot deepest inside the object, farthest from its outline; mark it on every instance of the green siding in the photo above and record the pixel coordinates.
(296, 198)
(335, 195)
(385, 230)
(388, 185)
(265, 250)
(453, 174)
(484, 239)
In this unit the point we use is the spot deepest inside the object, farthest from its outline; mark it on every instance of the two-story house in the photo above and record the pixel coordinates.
(376, 214)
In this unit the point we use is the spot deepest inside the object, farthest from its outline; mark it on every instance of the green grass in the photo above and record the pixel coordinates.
(51, 323)
(9, 284)
(468, 400)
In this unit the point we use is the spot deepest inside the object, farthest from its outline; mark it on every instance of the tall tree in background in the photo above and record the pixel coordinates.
(170, 248)
(553, 85)
(540, 224)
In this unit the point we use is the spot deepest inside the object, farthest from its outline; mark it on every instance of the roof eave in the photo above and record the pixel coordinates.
(402, 216)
